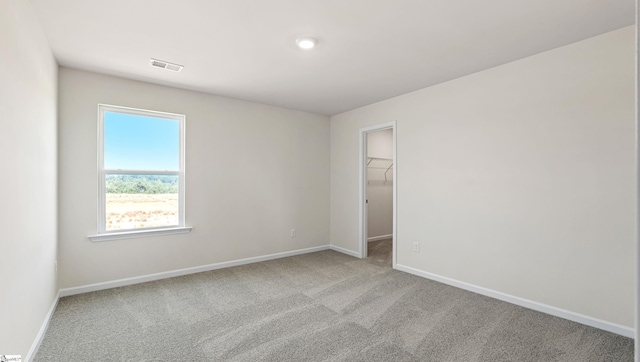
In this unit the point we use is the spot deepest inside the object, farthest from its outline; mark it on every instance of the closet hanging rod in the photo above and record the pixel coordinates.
(385, 173)
(371, 159)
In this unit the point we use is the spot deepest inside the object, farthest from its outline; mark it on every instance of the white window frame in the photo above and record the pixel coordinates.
(103, 234)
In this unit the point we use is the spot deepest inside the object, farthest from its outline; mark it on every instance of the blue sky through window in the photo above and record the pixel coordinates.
(133, 142)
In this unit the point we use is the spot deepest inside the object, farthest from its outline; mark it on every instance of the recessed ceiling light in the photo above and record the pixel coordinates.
(306, 43)
(165, 65)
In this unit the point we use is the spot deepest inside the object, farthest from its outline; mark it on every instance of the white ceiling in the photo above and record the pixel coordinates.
(368, 50)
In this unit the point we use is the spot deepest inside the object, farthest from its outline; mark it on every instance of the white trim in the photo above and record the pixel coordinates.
(141, 233)
(180, 272)
(540, 307)
(43, 330)
(637, 181)
(355, 254)
(381, 237)
(140, 172)
(102, 172)
(394, 243)
(362, 193)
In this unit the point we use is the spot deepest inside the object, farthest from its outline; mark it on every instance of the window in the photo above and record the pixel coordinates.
(140, 173)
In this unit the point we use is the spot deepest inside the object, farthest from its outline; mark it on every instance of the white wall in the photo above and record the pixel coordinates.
(380, 144)
(519, 179)
(28, 210)
(379, 189)
(253, 172)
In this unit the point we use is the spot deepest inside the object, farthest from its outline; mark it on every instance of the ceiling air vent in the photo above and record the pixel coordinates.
(166, 65)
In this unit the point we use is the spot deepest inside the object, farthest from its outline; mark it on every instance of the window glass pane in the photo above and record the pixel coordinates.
(141, 201)
(133, 142)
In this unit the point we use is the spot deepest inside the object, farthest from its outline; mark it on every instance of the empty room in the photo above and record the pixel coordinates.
(318, 180)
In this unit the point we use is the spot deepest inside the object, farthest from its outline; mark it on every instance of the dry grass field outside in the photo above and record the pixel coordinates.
(135, 211)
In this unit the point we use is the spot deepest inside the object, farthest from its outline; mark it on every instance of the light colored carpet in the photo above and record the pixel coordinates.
(323, 306)
(379, 252)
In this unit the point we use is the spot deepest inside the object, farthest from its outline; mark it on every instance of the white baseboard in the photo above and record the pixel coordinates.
(344, 251)
(381, 237)
(558, 312)
(43, 329)
(180, 272)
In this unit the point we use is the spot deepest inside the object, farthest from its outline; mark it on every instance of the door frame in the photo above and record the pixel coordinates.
(362, 209)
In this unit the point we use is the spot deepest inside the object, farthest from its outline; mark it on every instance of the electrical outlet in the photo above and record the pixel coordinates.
(55, 266)
(293, 233)
(416, 247)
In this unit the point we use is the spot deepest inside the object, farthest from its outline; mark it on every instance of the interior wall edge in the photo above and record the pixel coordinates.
(43, 329)
(526, 303)
(352, 253)
(380, 237)
(65, 292)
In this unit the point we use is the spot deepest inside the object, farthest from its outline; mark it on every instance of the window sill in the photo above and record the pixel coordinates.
(140, 233)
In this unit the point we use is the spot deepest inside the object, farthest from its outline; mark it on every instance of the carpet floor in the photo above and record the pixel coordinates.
(322, 306)
(379, 252)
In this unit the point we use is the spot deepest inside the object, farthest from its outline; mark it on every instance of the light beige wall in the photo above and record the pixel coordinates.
(28, 210)
(380, 144)
(253, 172)
(518, 179)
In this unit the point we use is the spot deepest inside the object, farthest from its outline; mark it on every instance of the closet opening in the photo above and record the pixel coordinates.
(378, 194)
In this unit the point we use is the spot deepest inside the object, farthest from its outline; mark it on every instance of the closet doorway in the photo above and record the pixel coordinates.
(378, 194)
